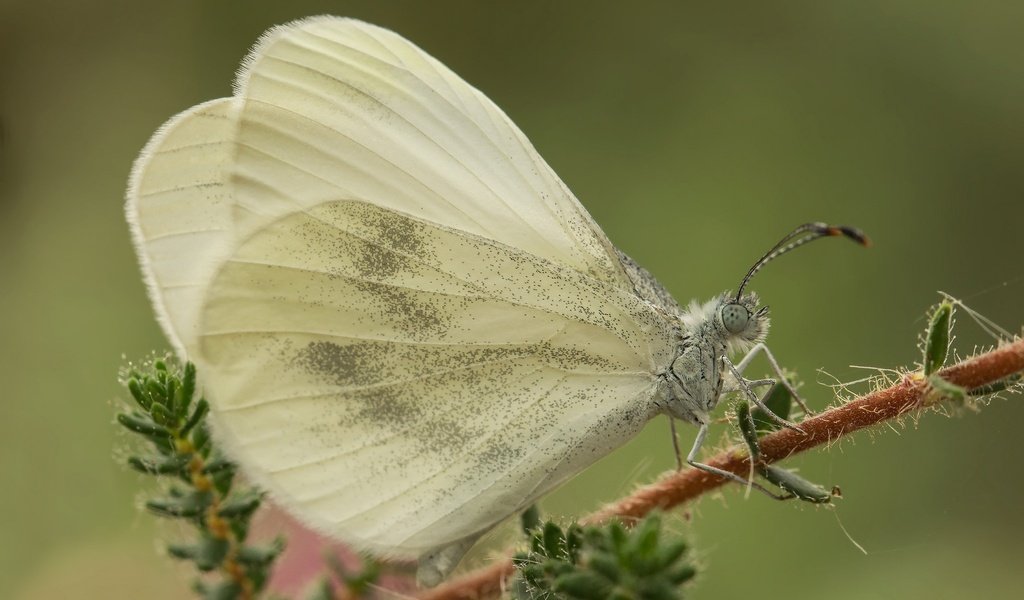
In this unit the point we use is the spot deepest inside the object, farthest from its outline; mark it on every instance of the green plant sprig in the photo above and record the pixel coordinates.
(201, 487)
(606, 562)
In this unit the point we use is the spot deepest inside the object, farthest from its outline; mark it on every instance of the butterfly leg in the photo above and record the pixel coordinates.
(691, 459)
(675, 443)
(744, 386)
(761, 347)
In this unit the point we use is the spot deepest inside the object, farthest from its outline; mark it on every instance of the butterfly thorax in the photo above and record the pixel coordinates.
(712, 332)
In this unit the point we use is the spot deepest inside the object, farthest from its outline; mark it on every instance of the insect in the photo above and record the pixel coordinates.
(407, 326)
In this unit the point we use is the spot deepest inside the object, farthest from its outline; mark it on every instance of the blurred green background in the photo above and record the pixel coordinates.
(695, 134)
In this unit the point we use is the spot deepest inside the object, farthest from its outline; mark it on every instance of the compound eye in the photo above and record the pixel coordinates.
(735, 317)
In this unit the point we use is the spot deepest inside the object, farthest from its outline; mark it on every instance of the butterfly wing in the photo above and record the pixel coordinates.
(416, 330)
(405, 385)
(329, 105)
(179, 210)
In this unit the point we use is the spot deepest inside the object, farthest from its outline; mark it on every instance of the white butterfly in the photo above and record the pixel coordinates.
(407, 326)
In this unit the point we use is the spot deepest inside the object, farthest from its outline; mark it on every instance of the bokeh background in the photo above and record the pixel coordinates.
(696, 134)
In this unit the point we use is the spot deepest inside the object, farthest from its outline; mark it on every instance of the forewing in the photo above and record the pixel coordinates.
(380, 373)
(336, 108)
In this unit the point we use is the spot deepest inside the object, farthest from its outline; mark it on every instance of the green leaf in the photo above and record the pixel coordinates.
(553, 540)
(142, 424)
(172, 387)
(140, 396)
(530, 519)
(573, 541)
(240, 506)
(796, 485)
(162, 415)
(201, 440)
(583, 585)
(658, 589)
(222, 481)
(644, 537)
(174, 465)
(210, 552)
(779, 401)
(602, 562)
(218, 465)
(997, 386)
(224, 590)
(682, 574)
(202, 407)
(156, 391)
(188, 505)
(183, 551)
(670, 553)
(260, 555)
(606, 565)
(936, 345)
(187, 390)
(748, 429)
(948, 391)
(617, 535)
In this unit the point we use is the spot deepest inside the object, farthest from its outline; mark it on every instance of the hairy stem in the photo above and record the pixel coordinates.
(910, 394)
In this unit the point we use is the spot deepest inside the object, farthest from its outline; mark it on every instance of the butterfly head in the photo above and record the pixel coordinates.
(741, 322)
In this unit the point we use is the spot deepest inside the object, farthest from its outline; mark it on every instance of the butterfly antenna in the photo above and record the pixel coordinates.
(808, 232)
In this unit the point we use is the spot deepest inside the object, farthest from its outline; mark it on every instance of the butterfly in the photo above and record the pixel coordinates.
(407, 326)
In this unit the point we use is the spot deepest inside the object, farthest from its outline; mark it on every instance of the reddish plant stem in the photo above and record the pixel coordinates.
(681, 486)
